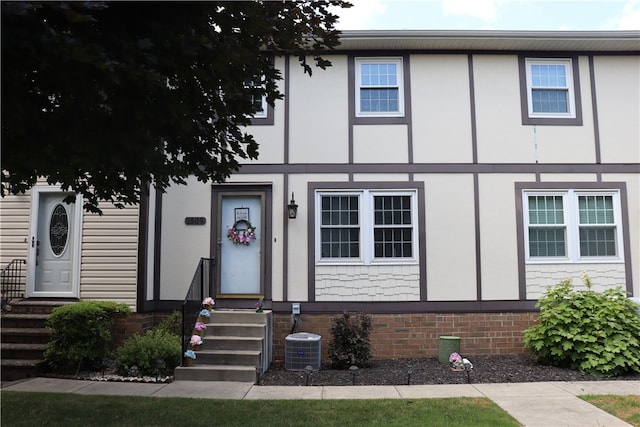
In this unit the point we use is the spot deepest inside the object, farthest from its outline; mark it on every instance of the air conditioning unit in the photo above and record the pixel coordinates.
(302, 350)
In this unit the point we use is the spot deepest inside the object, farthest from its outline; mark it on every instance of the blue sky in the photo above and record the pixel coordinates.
(491, 15)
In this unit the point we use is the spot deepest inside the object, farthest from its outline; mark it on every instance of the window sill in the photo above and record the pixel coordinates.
(578, 261)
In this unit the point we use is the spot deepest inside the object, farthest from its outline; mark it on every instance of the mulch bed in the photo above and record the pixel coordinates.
(486, 369)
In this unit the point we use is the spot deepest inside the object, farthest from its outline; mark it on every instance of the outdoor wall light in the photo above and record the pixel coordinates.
(292, 208)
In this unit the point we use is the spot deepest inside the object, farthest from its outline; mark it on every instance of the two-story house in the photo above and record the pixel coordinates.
(443, 180)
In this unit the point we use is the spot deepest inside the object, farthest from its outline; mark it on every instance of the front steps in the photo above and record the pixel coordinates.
(24, 337)
(236, 347)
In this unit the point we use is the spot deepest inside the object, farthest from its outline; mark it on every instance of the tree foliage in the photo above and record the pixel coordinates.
(105, 98)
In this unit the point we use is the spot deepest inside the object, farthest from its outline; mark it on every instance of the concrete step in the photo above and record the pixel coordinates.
(231, 343)
(228, 357)
(24, 320)
(38, 306)
(14, 369)
(238, 316)
(235, 329)
(216, 373)
(22, 350)
(25, 335)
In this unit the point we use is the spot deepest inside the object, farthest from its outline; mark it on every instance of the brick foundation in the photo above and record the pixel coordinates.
(135, 323)
(417, 335)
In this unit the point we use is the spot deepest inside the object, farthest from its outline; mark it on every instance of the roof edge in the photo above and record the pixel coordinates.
(505, 34)
(484, 40)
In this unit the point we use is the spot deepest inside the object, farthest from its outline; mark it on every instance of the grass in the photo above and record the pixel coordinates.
(65, 409)
(626, 408)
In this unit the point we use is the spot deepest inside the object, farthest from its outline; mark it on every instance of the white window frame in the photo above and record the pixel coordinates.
(572, 226)
(399, 86)
(262, 114)
(366, 223)
(263, 102)
(571, 101)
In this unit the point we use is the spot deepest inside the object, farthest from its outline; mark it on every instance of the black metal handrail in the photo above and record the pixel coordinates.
(199, 289)
(11, 281)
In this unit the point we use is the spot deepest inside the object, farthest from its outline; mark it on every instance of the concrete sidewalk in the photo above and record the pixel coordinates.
(546, 404)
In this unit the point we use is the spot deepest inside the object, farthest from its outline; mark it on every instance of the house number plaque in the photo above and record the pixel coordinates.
(195, 220)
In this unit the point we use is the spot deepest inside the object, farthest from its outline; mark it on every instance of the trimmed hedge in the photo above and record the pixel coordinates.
(81, 333)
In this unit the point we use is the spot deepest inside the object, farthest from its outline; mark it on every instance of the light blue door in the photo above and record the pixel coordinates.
(240, 249)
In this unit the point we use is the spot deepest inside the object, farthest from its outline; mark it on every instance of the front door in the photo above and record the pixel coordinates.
(241, 231)
(53, 261)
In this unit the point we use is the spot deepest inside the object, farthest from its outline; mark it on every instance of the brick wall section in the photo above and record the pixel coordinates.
(134, 323)
(418, 335)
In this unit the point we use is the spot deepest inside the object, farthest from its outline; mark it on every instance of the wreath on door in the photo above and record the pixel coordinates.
(241, 232)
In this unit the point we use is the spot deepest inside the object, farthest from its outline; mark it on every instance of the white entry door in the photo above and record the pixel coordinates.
(241, 261)
(53, 264)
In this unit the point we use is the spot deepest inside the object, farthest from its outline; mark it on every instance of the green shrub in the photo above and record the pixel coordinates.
(81, 333)
(157, 352)
(172, 324)
(594, 332)
(350, 344)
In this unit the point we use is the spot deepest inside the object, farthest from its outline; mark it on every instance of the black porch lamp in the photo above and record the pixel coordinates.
(292, 208)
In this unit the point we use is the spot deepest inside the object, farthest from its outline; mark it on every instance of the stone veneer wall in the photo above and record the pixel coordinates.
(417, 335)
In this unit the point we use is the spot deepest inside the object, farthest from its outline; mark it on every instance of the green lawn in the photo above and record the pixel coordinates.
(626, 408)
(65, 409)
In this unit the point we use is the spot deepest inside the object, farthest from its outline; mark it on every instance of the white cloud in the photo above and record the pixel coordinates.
(483, 9)
(630, 19)
(360, 15)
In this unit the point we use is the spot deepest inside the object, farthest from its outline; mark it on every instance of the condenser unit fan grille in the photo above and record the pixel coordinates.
(302, 350)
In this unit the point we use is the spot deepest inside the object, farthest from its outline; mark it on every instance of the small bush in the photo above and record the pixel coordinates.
(172, 324)
(350, 344)
(81, 333)
(594, 332)
(155, 353)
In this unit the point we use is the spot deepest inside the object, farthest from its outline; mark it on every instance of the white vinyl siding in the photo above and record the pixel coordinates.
(110, 255)
(14, 235)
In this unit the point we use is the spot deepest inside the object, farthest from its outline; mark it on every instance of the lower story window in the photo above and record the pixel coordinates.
(340, 228)
(366, 226)
(572, 225)
(597, 226)
(392, 229)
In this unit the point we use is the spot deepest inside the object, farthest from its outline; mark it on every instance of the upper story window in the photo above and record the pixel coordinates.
(263, 112)
(366, 227)
(550, 87)
(259, 102)
(572, 225)
(379, 87)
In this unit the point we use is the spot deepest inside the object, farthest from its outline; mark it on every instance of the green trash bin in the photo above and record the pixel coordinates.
(448, 345)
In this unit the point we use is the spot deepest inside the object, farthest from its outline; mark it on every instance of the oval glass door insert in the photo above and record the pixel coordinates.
(58, 230)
